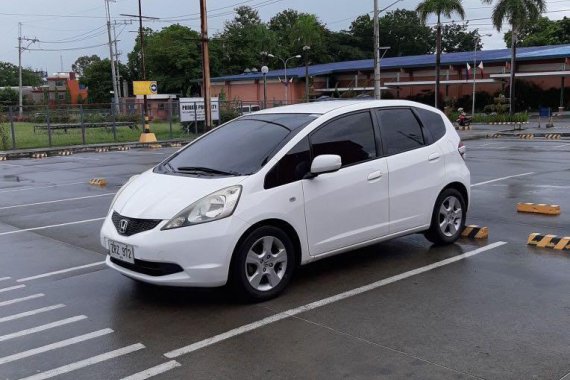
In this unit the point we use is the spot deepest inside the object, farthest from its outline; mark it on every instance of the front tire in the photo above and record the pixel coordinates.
(448, 218)
(263, 264)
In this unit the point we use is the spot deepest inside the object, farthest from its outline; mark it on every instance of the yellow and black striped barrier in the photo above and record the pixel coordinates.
(552, 136)
(65, 153)
(2, 158)
(101, 150)
(549, 241)
(39, 155)
(123, 148)
(475, 232)
(98, 182)
(526, 136)
(462, 127)
(493, 136)
(538, 208)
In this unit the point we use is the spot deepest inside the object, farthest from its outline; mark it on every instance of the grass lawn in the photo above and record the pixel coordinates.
(27, 138)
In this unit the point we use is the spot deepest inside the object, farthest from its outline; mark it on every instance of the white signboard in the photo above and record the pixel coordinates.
(192, 109)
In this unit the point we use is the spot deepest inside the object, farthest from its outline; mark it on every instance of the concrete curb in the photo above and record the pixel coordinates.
(57, 151)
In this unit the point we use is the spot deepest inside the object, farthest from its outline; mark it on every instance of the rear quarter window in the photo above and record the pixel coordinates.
(432, 122)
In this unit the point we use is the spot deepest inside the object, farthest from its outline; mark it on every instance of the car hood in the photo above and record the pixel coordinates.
(162, 196)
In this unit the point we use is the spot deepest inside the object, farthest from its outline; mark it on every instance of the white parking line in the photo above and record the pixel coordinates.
(31, 312)
(12, 288)
(17, 300)
(326, 301)
(44, 187)
(51, 226)
(19, 166)
(47, 326)
(60, 271)
(5, 278)
(85, 363)
(501, 179)
(54, 346)
(57, 201)
(157, 370)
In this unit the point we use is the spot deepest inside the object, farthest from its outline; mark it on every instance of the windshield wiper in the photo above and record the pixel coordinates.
(199, 169)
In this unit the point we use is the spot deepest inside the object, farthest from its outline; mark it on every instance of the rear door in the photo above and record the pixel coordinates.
(416, 167)
(349, 206)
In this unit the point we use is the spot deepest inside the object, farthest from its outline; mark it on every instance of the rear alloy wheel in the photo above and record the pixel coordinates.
(448, 219)
(264, 264)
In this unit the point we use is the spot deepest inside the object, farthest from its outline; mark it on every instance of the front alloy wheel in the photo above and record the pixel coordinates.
(263, 264)
(266, 263)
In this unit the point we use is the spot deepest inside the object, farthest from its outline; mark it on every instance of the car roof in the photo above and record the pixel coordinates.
(324, 107)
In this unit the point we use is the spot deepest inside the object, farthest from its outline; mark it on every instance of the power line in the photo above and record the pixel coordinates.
(69, 49)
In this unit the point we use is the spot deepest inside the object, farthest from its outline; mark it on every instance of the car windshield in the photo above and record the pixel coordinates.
(240, 147)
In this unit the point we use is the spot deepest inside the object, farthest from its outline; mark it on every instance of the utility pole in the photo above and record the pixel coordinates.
(20, 50)
(306, 50)
(111, 56)
(205, 65)
(377, 92)
(20, 98)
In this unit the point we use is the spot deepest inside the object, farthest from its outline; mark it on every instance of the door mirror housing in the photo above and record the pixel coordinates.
(325, 163)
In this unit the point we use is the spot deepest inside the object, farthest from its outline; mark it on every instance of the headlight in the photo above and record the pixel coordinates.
(120, 191)
(218, 205)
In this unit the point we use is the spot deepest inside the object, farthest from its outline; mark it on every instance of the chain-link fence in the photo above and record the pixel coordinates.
(65, 125)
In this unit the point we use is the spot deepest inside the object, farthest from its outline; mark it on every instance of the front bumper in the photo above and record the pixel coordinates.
(203, 251)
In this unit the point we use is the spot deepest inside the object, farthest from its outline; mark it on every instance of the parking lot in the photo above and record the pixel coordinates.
(493, 309)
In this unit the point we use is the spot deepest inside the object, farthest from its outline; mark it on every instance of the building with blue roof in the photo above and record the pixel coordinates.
(403, 77)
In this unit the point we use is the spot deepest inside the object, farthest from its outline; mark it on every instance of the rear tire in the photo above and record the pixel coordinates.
(263, 264)
(448, 218)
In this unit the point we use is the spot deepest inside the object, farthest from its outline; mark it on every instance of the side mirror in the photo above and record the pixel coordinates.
(325, 163)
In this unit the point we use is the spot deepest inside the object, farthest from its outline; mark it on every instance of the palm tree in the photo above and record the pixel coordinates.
(518, 13)
(439, 8)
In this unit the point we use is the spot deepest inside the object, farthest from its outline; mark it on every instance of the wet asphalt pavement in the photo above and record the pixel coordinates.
(472, 310)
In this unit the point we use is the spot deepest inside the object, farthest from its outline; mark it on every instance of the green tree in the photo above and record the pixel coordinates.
(242, 41)
(542, 32)
(439, 8)
(9, 76)
(294, 30)
(8, 97)
(97, 77)
(405, 33)
(134, 62)
(82, 62)
(456, 38)
(517, 13)
(400, 29)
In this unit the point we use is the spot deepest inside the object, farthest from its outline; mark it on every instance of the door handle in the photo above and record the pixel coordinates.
(433, 157)
(374, 175)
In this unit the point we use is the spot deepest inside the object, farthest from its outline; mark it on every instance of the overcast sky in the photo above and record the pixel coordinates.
(70, 24)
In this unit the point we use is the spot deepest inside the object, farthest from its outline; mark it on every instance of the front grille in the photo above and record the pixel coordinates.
(149, 267)
(134, 226)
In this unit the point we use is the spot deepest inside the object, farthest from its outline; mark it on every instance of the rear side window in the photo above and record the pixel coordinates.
(400, 130)
(351, 137)
(292, 167)
(432, 122)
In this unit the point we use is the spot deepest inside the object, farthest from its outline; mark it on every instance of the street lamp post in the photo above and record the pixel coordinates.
(477, 39)
(264, 71)
(306, 50)
(285, 67)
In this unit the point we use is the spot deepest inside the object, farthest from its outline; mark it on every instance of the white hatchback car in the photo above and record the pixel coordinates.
(252, 199)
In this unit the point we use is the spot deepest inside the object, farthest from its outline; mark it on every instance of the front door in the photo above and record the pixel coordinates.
(349, 206)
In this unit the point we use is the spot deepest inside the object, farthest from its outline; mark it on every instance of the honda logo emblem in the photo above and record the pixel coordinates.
(123, 224)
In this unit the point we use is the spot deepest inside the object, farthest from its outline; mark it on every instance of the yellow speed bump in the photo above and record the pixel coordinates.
(552, 136)
(2, 158)
(549, 241)
(526, 136)
(98, 182)
(538, 208)
(475, 232)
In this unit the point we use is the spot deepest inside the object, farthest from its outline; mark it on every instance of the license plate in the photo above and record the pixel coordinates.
(123, 252)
